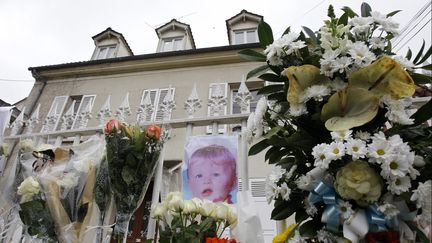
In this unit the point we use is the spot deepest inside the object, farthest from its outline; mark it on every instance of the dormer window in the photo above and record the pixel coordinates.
(245, 36)
(172, 44)
(106, 52)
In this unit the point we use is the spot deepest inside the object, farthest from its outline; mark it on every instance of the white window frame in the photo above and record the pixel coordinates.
(244, 34)
(55, 105)
(106, 55)
(157, 100)
(172, 41)
(81, 107)
(222, 128)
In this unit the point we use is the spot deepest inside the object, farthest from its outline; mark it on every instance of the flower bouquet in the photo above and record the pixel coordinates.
(34, 211)
(352, 161)
(194, 221)
(132, 156)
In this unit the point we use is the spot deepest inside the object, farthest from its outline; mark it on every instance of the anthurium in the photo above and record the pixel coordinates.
(300, 78)
(348, 108)
(384, 76)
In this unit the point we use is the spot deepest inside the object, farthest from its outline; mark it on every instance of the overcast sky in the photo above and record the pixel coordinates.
(47, 32)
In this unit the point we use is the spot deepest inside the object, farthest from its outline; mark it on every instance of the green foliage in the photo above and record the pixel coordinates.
(36, 216)
(265, 34)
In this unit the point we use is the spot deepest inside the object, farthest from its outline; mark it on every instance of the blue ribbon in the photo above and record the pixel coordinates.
(327, 194)
(376, 219)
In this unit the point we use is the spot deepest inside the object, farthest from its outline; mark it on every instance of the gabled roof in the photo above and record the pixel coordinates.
(243, 15)
(173, 24)
(108, 33)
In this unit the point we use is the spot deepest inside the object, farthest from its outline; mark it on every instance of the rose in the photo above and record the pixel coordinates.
(153, 132)
(208, 208)
(176, 204)
(28, 188)
(158, 210)
(111, 125)
(359, 182)
(221, 211)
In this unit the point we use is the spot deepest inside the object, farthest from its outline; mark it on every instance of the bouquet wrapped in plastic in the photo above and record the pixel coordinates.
(352, 156)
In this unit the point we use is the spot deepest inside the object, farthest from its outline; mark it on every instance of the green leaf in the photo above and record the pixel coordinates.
(257, 71)
(258, 147)
(409, 54)
(301, 215)
(286, 31)
(252, 55)
(420, 53)
(273, 131)
(280, 96)
(421, 78)
(265, 34)
(427, 67)
(284, 210)
(423, 114)
(420, 236)
(393, 13)
(366, 10)
(269, 152)
(269, 89)
(426, 56)
(310, 228)
(349, 12)
(272, 77)
(311, 34)
(343, 19)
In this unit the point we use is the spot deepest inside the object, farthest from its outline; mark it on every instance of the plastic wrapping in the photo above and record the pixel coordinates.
(249, 225)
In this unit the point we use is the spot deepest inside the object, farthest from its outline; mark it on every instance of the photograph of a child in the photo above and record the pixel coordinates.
(210, 168)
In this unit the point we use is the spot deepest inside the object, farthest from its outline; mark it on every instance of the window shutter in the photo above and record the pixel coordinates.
(86, 104)
(55, 111)
(161, 97)
(213, 88)
(153, 95)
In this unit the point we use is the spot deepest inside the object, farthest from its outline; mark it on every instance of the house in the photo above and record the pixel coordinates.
(117, 82)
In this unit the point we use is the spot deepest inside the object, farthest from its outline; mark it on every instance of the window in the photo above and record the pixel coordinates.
(156, 98)
(172, 44)
(222, 89)
(245, 36)
(54, 114)
(83, 106)
(106, 52)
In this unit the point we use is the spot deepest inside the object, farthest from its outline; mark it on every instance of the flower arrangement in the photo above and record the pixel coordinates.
(351, 160)
(132, 156)
(34, 212)
(193, 220)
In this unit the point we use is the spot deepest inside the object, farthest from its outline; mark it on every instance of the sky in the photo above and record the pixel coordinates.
(48, 32)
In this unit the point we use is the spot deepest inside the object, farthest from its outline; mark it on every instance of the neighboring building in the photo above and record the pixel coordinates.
(69, 93)
(16, 110)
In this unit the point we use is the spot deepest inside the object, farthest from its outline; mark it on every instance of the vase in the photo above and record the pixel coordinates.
(121, 227)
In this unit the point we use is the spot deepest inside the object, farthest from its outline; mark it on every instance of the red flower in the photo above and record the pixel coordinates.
(383, 236)
(153, 132)
(110, 125)
(219, 240)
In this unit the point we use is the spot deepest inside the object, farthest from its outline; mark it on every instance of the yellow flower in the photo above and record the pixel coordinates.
(282, 237)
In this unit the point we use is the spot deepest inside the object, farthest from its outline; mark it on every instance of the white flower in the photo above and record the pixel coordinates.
(365, 136)
(158, 211)
(305, 182)
(397, 185)
(356, 148)
(296, 46)
(69, 180)
(335, 150)
(297, 238)
(221, 211)
(361, 25)
(270, 191)
(232, 215)
(287, 39)
(419, 161)
(422, 195)
(316, 92)
(297, 109)
(341, 135)
(377, 43)
(320, 153)
(28, 189)
(325, 237)
(378, 151)
(284, 191)
(208, 208)
(361, 54)
(397, 111)
(329, 56)
(390, 26)
(290, 172)
(190, 207)
(338, 84)
(378, 17)
(276, 173)
(175, 204)
(345, 209)
(404, 62)
(26, 145)
(341, 64)
(389, 210)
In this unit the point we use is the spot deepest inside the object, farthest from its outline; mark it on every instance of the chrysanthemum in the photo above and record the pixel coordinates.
(361, 25)
(378, 151)
(298, 109)
(335, 150)
(305, 182)
(276, 173)
(361, 54)
(356, 148)
(365, 136)
(270, 191)
(398, 185)
(284, 191)
(345, 209)
(321, 155)
(341, 135)
(316, 92)
(377, 43)
(389, 210)
(395, 166)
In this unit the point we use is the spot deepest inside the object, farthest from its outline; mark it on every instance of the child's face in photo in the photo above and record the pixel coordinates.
(211, 181)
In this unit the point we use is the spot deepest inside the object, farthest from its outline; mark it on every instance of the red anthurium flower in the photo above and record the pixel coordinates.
(219, 240)
(110, 125)
(153, 132)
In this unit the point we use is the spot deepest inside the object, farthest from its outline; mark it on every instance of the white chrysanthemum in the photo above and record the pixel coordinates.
(365, 136)
(389, 210)
(419, 161)
(305, 182)
(345, 209)
(422, 195)
(377, 43)
(298, 109)
(404, 62)
(316, 92)
(310, 208)
(341, 64)
(395, 166)
(338, 84)
(270, 191)
(320, 153)
(396, 110)
(361, 54)
(26, 145)
(413, 173)
(378, 17)
(356, 148)
(261, 107)
(398, 185)
(284, 191)
(296, 46)
(378, 151)
(361, 25)
(340, 136)
(325, 236)
(297, 238)
(276, 174)
(390, 26)
(335, 150)
(69, 180)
